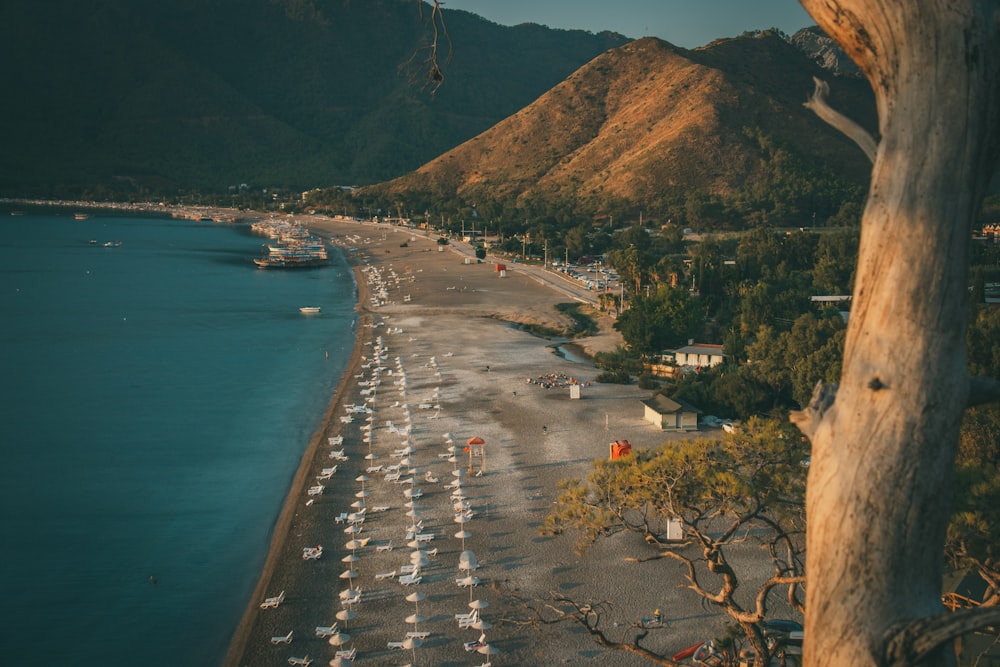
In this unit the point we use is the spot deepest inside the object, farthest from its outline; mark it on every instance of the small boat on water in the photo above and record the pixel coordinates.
(81, 216)
(309, 310)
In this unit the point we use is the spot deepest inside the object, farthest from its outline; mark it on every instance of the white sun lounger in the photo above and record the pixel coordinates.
(380, 508)
(417, 635)
(347, 655)
(271, 603)
(341, 518)
(408, 579)
(384, 547)
(286, 639)
(379, 576)
(316, 490)
(336, 441)
(324, 631)
(312, 553)
(395, 645)
(300, 662)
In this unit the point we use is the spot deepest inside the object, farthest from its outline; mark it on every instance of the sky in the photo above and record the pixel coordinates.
(686, 23)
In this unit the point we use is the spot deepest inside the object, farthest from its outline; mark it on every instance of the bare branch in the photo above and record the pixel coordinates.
(915, 641)
(808, 420)
(982, 391)
(818, 105)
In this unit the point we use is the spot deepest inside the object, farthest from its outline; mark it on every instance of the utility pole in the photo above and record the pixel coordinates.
(545, 260)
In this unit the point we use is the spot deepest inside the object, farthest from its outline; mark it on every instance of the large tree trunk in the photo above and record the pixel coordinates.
(878, 494)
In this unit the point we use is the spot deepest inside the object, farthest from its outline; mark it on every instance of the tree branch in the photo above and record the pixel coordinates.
(808, 420)
(982, 391)
(818, 105)
(915, 641)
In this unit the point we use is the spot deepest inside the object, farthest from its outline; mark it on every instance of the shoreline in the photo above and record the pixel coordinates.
(279, 536)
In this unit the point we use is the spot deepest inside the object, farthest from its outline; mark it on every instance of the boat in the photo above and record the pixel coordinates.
(309, 310)
(293, 253)
(81, 216)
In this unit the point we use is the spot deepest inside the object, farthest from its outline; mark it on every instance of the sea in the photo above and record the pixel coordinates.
(157, 392)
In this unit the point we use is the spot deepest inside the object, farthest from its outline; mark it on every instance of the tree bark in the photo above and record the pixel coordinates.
(878, 493)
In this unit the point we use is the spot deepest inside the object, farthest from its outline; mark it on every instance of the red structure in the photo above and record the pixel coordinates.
(620, 448)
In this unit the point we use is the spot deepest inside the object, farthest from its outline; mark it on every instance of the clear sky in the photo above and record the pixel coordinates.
(687, 23)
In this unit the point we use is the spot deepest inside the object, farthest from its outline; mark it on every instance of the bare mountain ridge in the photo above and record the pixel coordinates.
(650, 120)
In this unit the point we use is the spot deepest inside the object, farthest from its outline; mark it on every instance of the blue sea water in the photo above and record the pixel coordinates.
(155, 401)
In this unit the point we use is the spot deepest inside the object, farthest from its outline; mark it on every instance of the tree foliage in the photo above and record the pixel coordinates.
(749, 485)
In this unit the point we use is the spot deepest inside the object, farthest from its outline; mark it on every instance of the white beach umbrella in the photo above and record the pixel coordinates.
(349, 574)
(414, 513)
(413, 493)
(463, 535)
(346, 615)
(412, 644)
(488, 649)
(481, 625)
(414, 619)
(339, 639)
(341, 661)
(459, 472)
(350, 558)
(479, 604)
(354, 544)
(359, 504)
(363, 493)
(353, 529)
(467, 561)
(462, 518)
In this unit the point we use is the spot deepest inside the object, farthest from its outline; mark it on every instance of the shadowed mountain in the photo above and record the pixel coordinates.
(301, 93)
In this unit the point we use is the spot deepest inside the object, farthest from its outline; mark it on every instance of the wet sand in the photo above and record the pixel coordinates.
(454, 367)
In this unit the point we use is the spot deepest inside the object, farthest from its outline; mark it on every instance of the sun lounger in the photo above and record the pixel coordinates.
(316, 490)
(271, 603)
(285, 639)
(476, 645)
(409, 579)
(392, 477)
(417, 635)
(384, 547)
(300, 662)
(324, 631)
(336, 441)
(347, 655)
(379, 576)
(467, 622)
(341, 518)
(372, 469)
(380, 508)
(467, 582)
(396, 645)
(312, 553)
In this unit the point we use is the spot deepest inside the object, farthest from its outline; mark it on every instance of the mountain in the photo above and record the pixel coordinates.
(158, 96)
(656, 124)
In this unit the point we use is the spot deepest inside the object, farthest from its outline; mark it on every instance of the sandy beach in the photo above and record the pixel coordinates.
(438, 362)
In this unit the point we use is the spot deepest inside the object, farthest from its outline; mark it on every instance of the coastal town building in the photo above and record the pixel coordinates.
(699, 355)
(669, 414)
